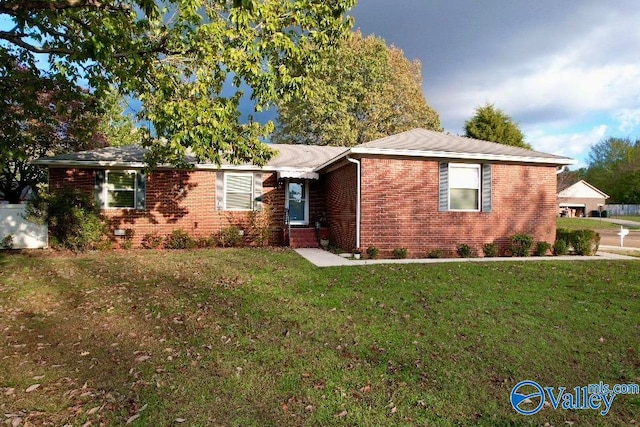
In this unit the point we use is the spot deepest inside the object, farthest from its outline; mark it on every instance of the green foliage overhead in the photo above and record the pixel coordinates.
(362, 91)
(492, 124)
(40, 115)
(177, 56)
(614, 167)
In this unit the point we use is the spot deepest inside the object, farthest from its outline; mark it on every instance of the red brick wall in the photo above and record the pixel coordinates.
(340, 189)
(400, 207)
(177, 199)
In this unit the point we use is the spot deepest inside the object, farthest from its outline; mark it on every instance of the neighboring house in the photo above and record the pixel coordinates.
(421, 190)
(580, 199)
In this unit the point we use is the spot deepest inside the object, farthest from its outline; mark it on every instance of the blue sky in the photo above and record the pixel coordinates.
(567, 71)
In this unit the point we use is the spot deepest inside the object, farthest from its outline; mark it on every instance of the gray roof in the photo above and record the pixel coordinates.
(417, 142)
(292, 156)
(430, 141)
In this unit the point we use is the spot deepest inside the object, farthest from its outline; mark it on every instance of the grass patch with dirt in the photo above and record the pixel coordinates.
(261, 337)
(628, 218)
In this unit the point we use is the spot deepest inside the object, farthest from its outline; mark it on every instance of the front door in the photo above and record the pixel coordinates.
(297, 201)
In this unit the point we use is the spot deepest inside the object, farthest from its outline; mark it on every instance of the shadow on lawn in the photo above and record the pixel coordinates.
(120, 344)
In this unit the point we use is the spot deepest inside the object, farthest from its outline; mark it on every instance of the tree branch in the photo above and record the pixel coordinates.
(11, 7)
(17, 40)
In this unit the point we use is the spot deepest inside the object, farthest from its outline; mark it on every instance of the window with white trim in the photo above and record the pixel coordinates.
(120, 189)
(464, 187)
(238, 192)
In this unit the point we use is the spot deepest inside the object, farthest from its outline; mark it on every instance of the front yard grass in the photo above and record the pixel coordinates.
(261, 337)
(584, 223)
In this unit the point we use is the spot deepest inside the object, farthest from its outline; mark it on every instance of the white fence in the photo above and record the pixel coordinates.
(622, 210)
(25, 234)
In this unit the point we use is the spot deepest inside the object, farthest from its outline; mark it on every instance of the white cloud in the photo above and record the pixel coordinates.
(572, 145)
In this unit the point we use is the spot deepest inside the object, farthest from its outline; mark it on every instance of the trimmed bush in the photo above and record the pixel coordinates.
(464, 250)
(585, 242)
(372, 252)
(151, 241)
(564, 235)
(490, 250)
(560, 247)
(521, 245)
(542, 248)
(230, 237)
(179, 239)
(74, 221)
(400, 253)
(436, 253)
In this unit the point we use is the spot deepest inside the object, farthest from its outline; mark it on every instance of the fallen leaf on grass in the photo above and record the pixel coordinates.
(32, 388)
(366, 389)
(93, 410)
(133, 418)
(180, 420)
(142, 358)
(9, 391)
(341, 414)
(16, 422)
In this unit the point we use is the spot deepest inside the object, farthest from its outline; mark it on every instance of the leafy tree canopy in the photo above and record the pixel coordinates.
(41, 115)
(177, 56)
(492, 124)
(362, 91)
(614, 167)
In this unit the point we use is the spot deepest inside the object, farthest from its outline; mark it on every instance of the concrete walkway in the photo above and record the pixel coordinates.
(322, 258)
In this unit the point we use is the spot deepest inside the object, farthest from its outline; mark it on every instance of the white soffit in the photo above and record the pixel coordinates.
(298, 175)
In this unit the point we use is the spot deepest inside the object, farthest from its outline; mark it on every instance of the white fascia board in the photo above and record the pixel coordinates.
(141, 165)
(464, 156)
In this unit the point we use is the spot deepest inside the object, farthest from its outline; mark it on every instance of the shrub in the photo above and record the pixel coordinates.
(560, 247)
(205, 242)
(400, 253)
(564, 235)
(521, 245)
(542, 248)
(464, 250)
(7, 242)
(230, 237)
(585, 242)
(74, 221)
(260, 225)
(179, 239)
(372, 252)
(490, 250)
(436, 253)
(151, 241)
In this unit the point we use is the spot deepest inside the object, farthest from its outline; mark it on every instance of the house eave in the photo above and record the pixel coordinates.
(464, 156)
(141, 165)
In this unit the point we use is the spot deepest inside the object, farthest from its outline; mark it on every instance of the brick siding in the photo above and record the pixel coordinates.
(400, 207)
(178, 199)
(340, 190)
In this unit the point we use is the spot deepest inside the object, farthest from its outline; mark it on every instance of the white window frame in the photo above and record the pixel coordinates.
(253, 190)
(105, 189)
(305, 221)
(478, 169)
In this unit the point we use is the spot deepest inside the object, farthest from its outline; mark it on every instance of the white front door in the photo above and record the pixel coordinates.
(297, 201)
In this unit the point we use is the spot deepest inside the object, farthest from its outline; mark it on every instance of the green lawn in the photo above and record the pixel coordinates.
(628, 218)
(261, 337)
(583, 223)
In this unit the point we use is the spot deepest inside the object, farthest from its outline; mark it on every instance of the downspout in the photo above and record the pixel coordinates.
(358, 192)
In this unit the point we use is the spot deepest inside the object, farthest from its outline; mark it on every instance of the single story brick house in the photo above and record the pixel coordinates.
(580, 199)
(420, 190)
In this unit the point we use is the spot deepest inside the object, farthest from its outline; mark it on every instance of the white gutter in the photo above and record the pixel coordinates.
(358, 196)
